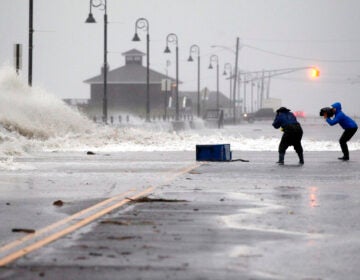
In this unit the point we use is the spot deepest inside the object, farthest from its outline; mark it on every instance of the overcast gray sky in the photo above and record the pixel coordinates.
(324, 33)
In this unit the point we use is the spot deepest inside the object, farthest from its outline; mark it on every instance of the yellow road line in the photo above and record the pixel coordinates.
(18, 254)
(61, 222)
(183, 171)
(38, 244)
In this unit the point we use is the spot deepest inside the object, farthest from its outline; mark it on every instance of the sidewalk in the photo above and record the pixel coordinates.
(227, 220)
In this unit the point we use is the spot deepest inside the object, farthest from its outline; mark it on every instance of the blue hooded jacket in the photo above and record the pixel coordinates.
(284, 118)
(343, 120)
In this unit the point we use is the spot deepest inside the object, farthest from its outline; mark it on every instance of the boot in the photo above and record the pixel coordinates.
(301, 158)
(281, 159)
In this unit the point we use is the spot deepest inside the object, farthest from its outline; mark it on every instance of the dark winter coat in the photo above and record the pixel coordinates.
(343, 120)
(284, 119)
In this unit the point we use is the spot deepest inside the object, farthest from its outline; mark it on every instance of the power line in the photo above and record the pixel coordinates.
(296, 41)
(302, 58)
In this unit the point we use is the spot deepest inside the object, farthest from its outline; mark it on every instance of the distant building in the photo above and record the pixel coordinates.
(208, 100)
(127, 88)
(127, 93)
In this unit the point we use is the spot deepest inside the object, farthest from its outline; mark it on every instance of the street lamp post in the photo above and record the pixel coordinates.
(215, 58)
(228, 66)
(166, 89)
(103, 5)
(236, 73)
(172, 38)
(236, 52)
(196, 49)
(143, 23)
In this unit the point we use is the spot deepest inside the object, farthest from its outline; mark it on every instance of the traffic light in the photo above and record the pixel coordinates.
(315, 72)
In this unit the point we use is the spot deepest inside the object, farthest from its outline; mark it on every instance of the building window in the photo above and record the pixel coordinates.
(129, 58)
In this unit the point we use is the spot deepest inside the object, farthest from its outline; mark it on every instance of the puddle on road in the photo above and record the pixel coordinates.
(243, 219)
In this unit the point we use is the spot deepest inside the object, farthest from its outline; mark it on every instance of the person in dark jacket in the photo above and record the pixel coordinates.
(292, 133)
(348, 124)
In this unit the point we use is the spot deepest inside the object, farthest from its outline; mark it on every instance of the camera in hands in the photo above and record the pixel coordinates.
(328, 111)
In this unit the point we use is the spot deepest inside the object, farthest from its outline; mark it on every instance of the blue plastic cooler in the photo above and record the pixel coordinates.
(217, 152)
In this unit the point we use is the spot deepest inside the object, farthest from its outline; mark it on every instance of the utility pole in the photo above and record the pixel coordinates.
(262, 89)
(252, 96)
(31, 31)
(258, 93)
(268, 88)
(245, 101)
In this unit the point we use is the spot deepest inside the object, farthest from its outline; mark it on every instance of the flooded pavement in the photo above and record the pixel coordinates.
(221, 220)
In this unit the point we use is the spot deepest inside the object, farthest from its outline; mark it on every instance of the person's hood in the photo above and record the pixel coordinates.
(337, 106)
(282, 110)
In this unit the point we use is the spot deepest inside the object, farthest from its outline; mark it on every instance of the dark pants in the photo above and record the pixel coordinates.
(291, 137)
(346, 136)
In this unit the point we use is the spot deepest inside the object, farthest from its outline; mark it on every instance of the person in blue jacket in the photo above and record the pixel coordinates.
(348, 124)
(292, 133)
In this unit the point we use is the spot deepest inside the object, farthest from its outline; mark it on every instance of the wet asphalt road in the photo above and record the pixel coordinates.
(230, 220)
